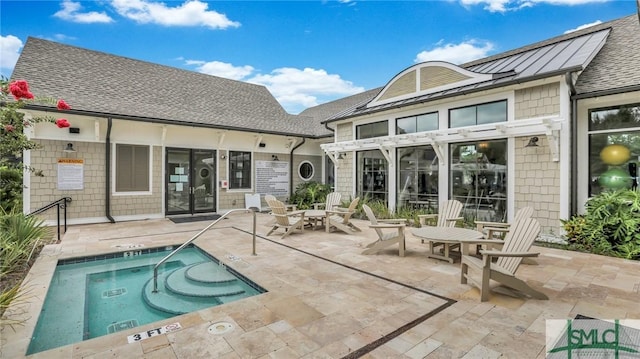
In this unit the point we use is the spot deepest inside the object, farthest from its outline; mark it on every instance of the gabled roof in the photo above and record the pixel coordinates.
(599, 52)
(94, 82)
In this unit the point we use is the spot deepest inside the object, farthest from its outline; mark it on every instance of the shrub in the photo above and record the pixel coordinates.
(308, 193)
(610, 225)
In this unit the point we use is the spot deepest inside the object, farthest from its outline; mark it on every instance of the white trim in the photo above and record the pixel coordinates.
(511, 178)
(313, 170)
(473, 79)
(252, 160)
(564, 156)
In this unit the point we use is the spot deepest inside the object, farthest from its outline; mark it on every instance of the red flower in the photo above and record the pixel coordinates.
(20, 89)
(62, 123)
(9, 128)
(63, 105)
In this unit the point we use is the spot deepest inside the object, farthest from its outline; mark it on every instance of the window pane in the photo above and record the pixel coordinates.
(418, 178)
(132, 168)
(376, 129)
(614, 118)
(613, 161)
(427, 122)
(461, 117)
(406, 125)
(239, 170)
(372, 176)
(492, 112)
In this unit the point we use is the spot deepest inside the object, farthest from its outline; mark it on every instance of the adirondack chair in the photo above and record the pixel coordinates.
(332, 200)
(340, 218)
(516, 246)
(448, 215)
(491, 228)
(290, 221)
(385, 239)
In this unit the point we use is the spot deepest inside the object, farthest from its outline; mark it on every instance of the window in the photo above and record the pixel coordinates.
(376, 129)
(132, 168)
(614, 148)
(418, 178)
(239, 170)
(478, 178)
(305, 170)
(418, 123)
(478, 114)
(372, 176)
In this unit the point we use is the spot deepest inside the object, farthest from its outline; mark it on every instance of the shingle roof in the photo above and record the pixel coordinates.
(602, 50)
(97, 82)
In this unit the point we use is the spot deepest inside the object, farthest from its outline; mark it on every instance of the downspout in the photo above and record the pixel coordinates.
(291, 165)
(107, 199)
(573, 184)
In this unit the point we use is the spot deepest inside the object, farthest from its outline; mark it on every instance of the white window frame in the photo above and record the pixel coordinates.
(115, 166)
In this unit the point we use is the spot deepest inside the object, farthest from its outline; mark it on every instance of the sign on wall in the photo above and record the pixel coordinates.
(272, 177)
(70, 173)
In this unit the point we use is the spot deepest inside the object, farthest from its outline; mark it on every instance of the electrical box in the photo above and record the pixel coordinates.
(224, 184)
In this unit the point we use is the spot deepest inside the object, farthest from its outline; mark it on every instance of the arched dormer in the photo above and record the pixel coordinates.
(424, 78)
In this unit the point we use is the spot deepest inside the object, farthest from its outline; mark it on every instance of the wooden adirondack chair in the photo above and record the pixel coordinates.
(516, 246)
(340, 218)
(448, 215)
(289, 221)
(491, 228)
(332, 200)
(385, 239)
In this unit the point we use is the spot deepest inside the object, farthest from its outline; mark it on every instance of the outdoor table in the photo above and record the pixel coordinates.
(315, 216)
(448, 237)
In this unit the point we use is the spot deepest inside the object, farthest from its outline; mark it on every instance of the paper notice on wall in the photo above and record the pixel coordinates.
(272, 177)
(70, 173)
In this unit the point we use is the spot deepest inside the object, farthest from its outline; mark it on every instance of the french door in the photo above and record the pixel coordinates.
(190, 181)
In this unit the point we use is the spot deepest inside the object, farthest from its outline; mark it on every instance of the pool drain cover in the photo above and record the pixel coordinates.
(114, 292)
(220, 328)
(127, 324)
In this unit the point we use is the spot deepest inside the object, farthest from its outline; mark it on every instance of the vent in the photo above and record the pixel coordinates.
(127, 324)
(114, 292)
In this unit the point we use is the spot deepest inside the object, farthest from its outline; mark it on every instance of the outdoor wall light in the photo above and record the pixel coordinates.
(275, 158)
(69, 148)
(223, 156)
(341, 156)
(533, 142)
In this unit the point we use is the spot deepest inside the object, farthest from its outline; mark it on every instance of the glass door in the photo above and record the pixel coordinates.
(190, 181)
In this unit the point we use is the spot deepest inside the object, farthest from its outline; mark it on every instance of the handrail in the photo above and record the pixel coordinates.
(155, 269)
(61, 203)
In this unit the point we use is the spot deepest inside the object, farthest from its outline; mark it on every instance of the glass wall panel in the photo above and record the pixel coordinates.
(417, 178)
(370, 130)
(372, 175)
(478, 114)
(614, 148)
(478, 179)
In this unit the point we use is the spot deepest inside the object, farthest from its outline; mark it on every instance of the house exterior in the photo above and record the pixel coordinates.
(521, 128)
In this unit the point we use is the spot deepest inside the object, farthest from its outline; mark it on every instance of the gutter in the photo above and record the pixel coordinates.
(573, 145)
(107, 198)
(291, 165)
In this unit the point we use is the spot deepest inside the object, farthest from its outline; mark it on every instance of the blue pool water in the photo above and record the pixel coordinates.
(95, 296)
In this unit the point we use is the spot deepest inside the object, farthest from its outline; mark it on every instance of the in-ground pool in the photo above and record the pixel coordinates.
(93, 296)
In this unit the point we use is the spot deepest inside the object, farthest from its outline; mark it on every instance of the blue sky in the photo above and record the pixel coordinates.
(305, 52)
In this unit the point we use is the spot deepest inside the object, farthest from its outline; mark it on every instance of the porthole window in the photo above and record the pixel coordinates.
(305, 170)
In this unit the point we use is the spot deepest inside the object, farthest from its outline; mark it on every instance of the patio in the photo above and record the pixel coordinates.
(326, 300)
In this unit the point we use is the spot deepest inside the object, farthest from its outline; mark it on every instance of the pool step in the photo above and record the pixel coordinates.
(192, 288)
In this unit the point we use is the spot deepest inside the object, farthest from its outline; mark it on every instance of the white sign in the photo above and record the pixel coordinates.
(272, 177)
(153, 332)
(70, 173)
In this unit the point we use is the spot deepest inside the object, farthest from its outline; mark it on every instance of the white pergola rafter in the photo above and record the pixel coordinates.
(547, 125)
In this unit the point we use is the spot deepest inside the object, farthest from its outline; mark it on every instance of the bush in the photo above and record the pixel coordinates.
(610, 226)
(308, 193)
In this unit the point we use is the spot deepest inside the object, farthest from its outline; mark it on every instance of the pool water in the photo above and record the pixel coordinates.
(95, 296)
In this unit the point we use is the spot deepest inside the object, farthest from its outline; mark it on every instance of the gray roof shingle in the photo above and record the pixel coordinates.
(96, 82)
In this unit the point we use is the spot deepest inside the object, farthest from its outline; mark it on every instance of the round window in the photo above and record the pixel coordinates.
(305, 170)
(204, 172)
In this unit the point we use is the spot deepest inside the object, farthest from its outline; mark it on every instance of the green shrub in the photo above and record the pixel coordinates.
(308, 193)
(610, 225)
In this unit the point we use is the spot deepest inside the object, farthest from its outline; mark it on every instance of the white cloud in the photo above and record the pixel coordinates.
(457, 53)
(597, 22)
(297, 89)
(190, 13)
(294, 88)
(221, 69)
(71, 12)
(10, 49)
(509, 5)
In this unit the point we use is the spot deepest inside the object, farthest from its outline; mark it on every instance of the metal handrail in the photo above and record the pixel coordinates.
(62, 202)
(155, 269)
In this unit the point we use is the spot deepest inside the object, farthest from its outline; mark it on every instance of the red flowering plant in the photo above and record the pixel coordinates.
(13, 140)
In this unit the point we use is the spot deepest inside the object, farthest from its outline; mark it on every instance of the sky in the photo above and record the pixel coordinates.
(305, 52)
